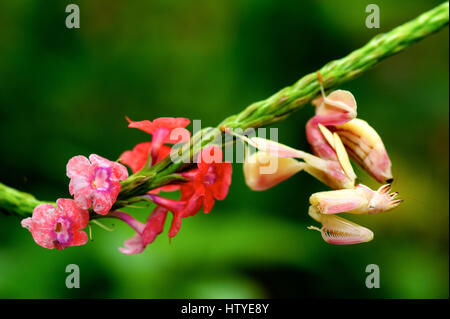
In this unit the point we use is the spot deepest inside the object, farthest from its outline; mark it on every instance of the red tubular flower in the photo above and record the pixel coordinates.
(192, 203)
(208, 182)
(162, 126)
(137, 157)
(154, 225)
(211, 180)
(170, 130)
(184, 207)
(58, 227)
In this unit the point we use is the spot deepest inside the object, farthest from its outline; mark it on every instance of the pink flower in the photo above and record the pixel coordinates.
(134, 245)
(145, 233)
(95, 181)
(58, 228)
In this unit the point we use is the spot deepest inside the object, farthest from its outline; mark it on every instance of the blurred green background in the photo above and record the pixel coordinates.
(66, 92)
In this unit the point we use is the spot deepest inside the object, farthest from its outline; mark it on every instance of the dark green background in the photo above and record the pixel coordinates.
(66, 92)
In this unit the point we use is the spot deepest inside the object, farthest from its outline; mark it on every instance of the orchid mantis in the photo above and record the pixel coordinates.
(334, 133)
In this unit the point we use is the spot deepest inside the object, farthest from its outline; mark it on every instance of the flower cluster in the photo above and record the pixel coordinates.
(334, 133)
(94, 183)
(207, 182)
(203, 184)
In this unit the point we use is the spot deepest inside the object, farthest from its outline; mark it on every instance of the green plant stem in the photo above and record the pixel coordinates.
(334, 73)
(271, 110)
(15, 202)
